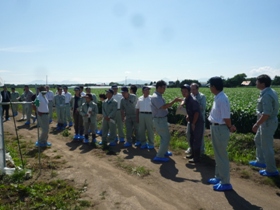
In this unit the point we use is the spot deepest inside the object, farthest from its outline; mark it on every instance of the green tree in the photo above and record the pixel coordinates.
(276, 80)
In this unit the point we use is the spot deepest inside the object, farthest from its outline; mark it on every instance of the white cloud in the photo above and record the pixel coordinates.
(264, 70)
(3, 71)
(20, 49)
(127, 72)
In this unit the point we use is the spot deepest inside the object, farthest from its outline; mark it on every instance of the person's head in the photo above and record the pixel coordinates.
(47, 88)
(194, 88)
(102, 97)
(133, 89)
(77, 91)
(81, 88)
(42, 89)
(124, 91)
(109, 93)
(13, 89)
(26, 88)
(65, 89)
(59, 90)
(186, 90)
(5, 88)
(161, 86)
(263, 81)
(88, 97)
(88, 90)
(146, 91)
(115, 88)
(216, 85)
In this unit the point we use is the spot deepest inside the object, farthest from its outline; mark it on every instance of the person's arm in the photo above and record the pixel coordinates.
(260, 121)
(166, 106)
(231, 127)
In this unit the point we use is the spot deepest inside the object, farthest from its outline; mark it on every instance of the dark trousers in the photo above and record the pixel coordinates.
(196, 140)
(5, 108)
(78, 123)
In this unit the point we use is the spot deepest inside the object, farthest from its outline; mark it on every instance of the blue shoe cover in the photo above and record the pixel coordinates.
(168, 153)
(50, 121)
(116, 139)
(265, 173)
(214, 181)
(48, 144)
(127, 144)
(93, 141)
(138, 143)
(257, 164)
(86, 141)
(27, 123)
(161, 159)
(76, 137)
(122, 140)
(81, 137)
(70, 124)
(222, 187)
(151, 147)
(144, 146)
(112, 144)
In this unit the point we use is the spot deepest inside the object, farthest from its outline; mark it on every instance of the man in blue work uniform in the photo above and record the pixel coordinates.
(195, 121)
(265, 127)
(159, 113)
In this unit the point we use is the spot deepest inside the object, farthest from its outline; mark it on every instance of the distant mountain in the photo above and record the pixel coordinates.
(54, 82)
(134, 81)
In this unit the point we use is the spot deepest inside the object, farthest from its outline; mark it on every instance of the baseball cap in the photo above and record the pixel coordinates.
(77, 88)
(114, 86)
(88, 95)
(124, 89)
(110, 91)
(186, 86)
(145, 88)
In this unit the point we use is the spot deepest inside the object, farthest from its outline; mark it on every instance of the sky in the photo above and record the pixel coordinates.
(102, 41)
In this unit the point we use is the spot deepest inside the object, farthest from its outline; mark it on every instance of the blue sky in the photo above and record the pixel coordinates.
(110, 40)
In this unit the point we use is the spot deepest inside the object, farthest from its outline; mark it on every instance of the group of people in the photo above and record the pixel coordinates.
(149, 112)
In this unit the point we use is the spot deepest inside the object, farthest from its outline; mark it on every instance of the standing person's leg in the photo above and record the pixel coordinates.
(68, 115)
(202, 150)
(50, 105)
(141, 129)
(3, 109)
(81, 126)
(23, 111)
(93, 127)
(188, 136)
(105, 130)
(44, 124)
(267, 131)
(119, 125)
(259, 151)
(86, 127)
(76, 121)
(129, 129)
(220, 137)
(197, 141)
(28, 112)
(135, 129)
(112, 128)
(150, 130)
(58, 115)
(162, 129)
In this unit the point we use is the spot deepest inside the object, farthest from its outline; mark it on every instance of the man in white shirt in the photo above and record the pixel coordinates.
(50, 97)
(82, 91)
(41, 103)
(67, 115)
(220, 126)
(145, 119)
(119, 123)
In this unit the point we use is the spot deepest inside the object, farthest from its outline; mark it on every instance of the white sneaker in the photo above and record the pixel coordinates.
(188, 151)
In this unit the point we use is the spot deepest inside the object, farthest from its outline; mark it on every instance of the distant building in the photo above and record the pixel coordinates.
(246, 83)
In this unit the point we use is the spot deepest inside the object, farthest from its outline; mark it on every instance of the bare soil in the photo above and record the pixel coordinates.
(173, 185)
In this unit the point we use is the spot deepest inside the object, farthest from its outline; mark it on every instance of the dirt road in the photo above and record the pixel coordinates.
(173, 185)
